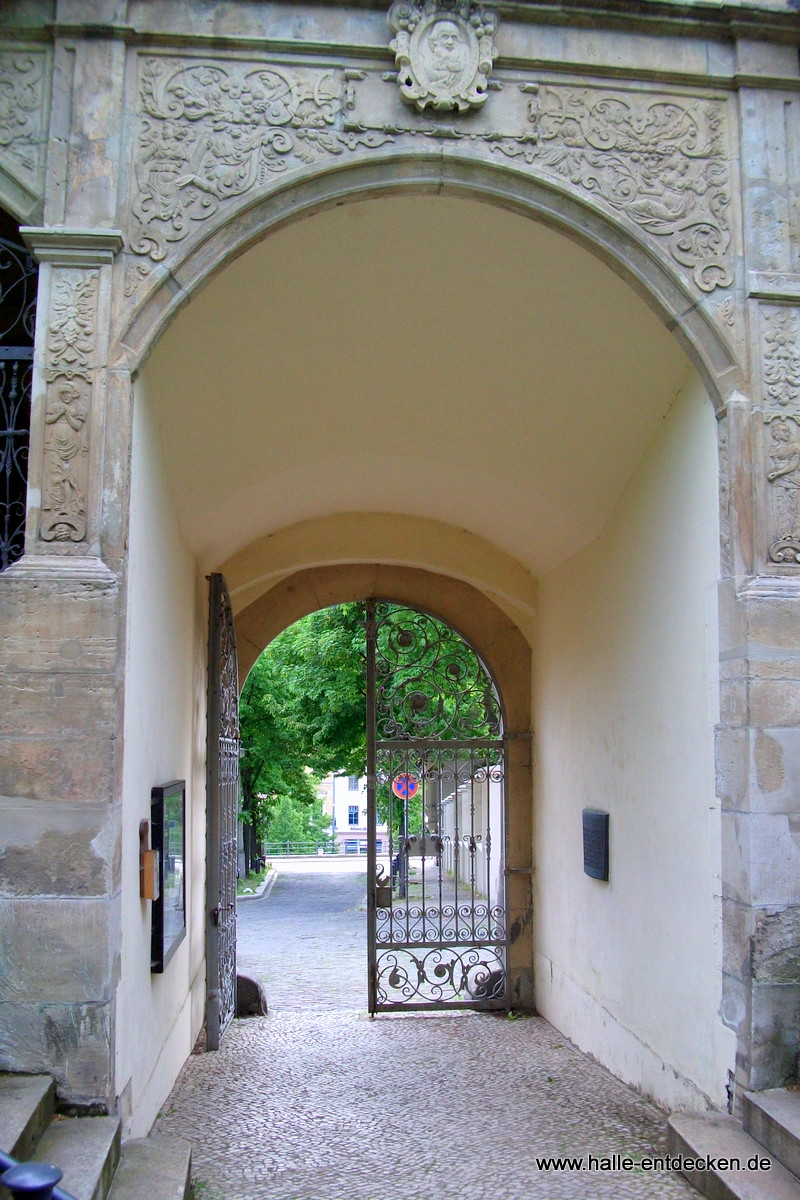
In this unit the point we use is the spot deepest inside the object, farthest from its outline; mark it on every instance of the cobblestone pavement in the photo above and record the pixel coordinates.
(315, 1103)
(306, 940)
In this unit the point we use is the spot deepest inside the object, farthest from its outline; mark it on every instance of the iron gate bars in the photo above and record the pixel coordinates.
(18, 281)
(435, 780)
(223, 801)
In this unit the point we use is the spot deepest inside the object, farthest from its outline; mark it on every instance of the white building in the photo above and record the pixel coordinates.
(345, 802)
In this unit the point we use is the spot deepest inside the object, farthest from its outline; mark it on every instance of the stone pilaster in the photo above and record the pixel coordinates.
(759, 738)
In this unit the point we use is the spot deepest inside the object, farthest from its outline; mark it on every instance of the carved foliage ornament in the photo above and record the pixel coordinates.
(661, 162)
(781, 349)
(444, 52)
(65, 474)
(211, 132)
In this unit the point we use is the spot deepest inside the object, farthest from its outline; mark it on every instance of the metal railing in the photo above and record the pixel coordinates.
(276, 849)
(31, 1180)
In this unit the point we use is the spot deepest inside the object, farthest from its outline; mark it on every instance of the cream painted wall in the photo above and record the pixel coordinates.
(158, 1015)
(624, 712)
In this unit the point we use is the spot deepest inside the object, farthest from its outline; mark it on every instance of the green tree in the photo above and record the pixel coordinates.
(302, 715)
(302, 710)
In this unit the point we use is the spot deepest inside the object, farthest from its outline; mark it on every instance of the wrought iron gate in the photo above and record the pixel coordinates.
(18, 281)
(222, 799)
(435, 813)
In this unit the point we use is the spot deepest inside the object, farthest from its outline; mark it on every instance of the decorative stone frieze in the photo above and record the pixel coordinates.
(659, 160)
(210, 133)
(23, 117)
(444, 52)
(780, 330)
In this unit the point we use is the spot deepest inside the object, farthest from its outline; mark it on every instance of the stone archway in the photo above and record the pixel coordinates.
(506, 653)
(684, 207)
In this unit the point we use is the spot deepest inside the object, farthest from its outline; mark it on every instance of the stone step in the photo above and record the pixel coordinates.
(87, 1151)
(26, 1109)
(717, 1136)
(153, 1168)
(773, 1119)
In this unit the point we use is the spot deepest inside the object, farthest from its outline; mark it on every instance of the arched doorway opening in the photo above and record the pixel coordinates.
(336, 443)
(432, 830)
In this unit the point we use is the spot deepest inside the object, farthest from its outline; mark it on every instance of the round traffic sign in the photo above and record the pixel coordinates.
(405, 786)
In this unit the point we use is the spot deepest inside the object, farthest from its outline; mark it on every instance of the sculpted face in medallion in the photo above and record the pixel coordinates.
(443, 54)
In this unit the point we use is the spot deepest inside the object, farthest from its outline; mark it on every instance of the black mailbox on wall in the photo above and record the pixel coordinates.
(595, 843)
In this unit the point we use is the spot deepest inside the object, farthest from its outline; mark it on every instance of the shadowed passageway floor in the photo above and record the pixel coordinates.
(316, 1102)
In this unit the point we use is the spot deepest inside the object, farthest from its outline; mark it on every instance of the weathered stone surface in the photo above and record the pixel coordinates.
(776, 947)
(775, 1033)
(56, 951)
(69, 1041)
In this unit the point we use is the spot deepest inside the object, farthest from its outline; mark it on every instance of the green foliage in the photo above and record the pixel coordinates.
(292, 822)
(302, 711)
(302, 715)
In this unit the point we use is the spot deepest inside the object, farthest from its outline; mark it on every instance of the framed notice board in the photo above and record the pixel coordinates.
(168, 838)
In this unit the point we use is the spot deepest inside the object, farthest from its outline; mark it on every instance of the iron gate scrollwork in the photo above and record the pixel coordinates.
(223, 803)
(436, 813)
(18, 283)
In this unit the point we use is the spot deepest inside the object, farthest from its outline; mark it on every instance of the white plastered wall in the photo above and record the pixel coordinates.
(625, 698)
(158, 1015)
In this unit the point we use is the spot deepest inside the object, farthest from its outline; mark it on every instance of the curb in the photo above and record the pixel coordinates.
(263, 889)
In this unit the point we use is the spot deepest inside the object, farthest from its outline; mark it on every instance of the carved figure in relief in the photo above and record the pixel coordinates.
(444, 52)
(64, 497)
(659, 162)
(444, 56)
(785, 475)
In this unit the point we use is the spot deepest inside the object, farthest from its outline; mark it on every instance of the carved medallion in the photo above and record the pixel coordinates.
(444, 53)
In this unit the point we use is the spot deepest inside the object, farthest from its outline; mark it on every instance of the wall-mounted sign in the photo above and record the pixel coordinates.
(168, 837)
(595, 843)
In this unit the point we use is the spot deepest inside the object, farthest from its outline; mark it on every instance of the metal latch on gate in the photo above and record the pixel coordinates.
(221, 908)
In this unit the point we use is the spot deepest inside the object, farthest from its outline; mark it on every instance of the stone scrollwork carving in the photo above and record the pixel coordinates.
(212, 132)
(781, 374)
(444, 52)
(661, 161)
(72, 325)
(22, 111)
(65, 472)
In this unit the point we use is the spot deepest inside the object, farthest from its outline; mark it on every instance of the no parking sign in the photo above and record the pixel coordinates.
(405, 786)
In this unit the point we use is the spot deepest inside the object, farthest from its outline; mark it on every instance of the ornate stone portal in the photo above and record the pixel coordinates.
(444, 53)
(674, 155)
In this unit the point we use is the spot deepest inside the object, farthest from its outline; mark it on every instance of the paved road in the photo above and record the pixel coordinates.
(306, 940)
(319, 1103)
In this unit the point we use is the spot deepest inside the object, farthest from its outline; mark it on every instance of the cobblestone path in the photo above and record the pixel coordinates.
(314, 1103)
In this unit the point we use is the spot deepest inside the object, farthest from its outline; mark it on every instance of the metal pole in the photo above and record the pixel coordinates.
(372, 809)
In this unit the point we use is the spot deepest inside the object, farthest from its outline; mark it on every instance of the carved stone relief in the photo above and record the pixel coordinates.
(781, 377)
(444, 52)
(210, 133)
(661, 161)
(65, 475)
(65, 469)
(22, 113)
